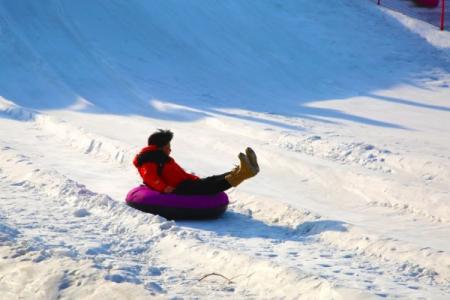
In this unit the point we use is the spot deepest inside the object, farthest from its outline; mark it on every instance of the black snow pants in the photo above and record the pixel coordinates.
(204, 186)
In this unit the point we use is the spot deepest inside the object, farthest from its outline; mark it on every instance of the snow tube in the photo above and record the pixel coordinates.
(427, 3)
(177, 207)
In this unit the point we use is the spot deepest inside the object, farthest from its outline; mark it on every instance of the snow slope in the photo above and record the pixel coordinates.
(346, 106)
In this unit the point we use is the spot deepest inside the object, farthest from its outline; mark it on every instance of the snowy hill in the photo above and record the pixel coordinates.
(346, 104)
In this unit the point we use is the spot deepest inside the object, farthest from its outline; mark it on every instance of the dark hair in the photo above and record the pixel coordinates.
(160, 138)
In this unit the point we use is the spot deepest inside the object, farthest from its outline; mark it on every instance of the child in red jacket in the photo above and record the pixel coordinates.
(160, 172)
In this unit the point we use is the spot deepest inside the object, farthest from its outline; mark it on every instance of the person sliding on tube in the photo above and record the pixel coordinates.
(160, 172)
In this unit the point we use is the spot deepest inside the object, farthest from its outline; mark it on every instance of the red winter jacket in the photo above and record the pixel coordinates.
(159, 170)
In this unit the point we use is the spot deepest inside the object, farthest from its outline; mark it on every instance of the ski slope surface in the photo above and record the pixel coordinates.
(347, 105)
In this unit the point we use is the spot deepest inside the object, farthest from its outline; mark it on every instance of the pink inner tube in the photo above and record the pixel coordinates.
(428, 3)
(173, 206)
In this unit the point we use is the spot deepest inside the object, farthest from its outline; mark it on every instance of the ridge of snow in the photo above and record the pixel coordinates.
(76, 137)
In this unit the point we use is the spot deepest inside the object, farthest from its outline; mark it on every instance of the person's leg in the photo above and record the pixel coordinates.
(205, 186)
(219, 183)
(245, 171)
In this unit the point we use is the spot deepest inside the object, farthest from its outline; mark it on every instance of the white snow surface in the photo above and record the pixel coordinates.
(345, 103)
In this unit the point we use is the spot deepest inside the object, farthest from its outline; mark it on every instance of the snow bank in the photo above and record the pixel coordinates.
(60, 278)
(76, 137)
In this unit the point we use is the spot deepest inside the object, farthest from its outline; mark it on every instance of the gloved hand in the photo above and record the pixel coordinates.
(169, 189)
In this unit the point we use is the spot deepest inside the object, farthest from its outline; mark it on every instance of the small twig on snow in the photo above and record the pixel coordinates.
(216, 274)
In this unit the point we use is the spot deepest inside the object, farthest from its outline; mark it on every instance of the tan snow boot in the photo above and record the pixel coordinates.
(241, 173)
(252, 158)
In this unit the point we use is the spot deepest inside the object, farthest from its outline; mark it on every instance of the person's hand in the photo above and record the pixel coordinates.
(169, 189)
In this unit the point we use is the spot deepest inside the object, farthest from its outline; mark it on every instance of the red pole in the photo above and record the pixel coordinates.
(442, 14)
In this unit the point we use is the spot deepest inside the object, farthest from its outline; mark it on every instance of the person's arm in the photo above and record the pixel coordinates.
(192, 176)
(150, 176)
(186, 174)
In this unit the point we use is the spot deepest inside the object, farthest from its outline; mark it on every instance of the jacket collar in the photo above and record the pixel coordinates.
(150, 148)
(151, 154)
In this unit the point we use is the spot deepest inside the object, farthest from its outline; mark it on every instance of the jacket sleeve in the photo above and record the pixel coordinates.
(186, 174)
(192, 176)
(150, 176)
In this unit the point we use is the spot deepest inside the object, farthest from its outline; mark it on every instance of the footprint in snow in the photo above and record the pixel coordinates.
(325, 265)
(154, 271)
(153, 286)
(81, 213)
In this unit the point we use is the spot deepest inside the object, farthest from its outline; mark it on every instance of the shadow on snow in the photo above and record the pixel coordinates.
(207, 56)
(242, 226)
